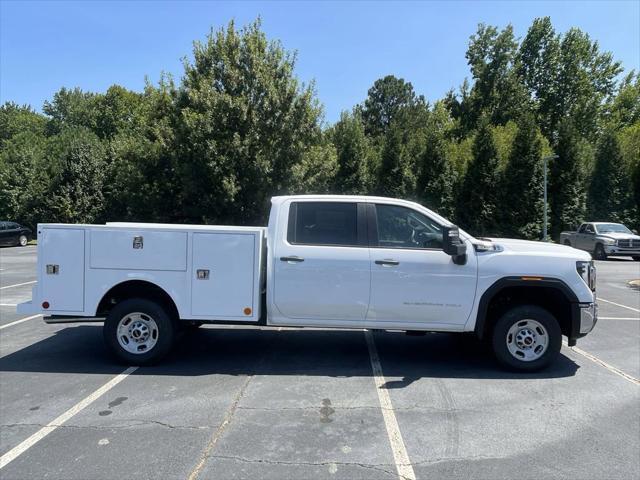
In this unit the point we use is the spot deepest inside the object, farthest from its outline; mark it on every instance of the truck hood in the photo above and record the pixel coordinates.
(620, 236)
(545, 248)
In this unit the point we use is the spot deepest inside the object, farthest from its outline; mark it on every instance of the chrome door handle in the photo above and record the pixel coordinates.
(387, 262)
(293, 258)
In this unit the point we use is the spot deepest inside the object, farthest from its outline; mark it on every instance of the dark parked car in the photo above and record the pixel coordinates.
(13, 234)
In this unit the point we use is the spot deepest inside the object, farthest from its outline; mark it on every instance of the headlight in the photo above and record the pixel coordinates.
(608, 241)
(587, 271)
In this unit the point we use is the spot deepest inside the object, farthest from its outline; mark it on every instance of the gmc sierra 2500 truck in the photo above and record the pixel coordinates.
(323, 261)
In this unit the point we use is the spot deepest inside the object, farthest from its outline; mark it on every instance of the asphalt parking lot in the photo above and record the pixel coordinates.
(261, 403)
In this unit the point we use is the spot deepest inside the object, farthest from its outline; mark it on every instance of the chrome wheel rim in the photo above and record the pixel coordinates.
(23, 240)
(527, 340)
(137, 333)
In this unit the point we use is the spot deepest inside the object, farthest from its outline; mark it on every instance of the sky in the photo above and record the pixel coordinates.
(342, 46)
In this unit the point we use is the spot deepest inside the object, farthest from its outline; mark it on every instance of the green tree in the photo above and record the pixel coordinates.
(24, 178)
(75, 194)
(354, 155)
(497, 91)
(478, 199)
(388, 99)
(72, 108)
(396, 176)
(522, 184)
(437, 181)
(611, 188)
(16, 119)
(567, 75)
(567, 192)
(242, 122)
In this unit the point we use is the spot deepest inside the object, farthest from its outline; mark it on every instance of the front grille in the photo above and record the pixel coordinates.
(629, 243)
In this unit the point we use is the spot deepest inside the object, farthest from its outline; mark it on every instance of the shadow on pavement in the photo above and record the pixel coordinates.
(248, 351)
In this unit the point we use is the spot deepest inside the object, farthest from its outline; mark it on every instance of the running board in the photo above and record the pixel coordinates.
(54, 319)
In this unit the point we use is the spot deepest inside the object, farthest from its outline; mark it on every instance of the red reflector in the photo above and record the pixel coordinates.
(45, 305)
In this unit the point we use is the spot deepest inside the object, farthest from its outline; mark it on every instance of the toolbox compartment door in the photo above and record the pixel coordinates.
(224, 288)
(62, 269)
(131, 249)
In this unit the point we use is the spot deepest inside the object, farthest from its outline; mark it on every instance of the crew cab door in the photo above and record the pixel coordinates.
(413, 281)
(586, 237)
(321, 268)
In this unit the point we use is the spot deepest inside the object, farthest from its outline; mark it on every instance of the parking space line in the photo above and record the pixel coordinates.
(618, 304)
(400, 456)
(18, 321)
(18, 450)
(18, 284)
(8, 304)
(604, 364)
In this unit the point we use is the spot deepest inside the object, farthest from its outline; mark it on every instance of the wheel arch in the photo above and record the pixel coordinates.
(136, 289)
(551, 294)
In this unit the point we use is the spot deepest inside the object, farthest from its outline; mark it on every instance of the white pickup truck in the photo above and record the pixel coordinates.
(323, 261)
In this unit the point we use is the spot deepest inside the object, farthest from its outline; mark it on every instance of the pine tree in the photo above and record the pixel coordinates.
(396, 175)
(611, 189)
(567, 193)
(478, 205)
(437, 182)
(522, 184)
(353, 150)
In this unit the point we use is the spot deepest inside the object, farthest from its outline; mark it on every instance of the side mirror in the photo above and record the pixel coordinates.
(453, 245)
(635, 232)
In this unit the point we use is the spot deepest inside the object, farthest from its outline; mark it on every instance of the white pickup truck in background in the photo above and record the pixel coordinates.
(323, 261)
(603, 239)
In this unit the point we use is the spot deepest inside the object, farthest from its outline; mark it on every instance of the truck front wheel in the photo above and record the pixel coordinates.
(599, 253)
(139, 332)
(526, 338)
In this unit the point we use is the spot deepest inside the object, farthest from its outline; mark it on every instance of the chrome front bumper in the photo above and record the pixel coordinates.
(615, 250)
(588, 317)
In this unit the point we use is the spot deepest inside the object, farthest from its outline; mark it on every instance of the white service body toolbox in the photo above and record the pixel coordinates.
(210, 272)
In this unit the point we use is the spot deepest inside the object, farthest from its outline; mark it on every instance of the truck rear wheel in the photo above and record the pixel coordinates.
(139, 332)
(526, 338)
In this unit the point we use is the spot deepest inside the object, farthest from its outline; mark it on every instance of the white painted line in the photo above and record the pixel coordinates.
(8, 304)
(18, 285)
(618, 305)
(400, 456)
(604, 364)
(619, 318)
(15, 452)
(18, 321)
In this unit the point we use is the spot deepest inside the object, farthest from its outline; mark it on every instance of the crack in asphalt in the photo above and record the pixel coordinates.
(377, 467)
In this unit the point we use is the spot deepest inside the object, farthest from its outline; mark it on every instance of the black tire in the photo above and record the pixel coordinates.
(166, 331)
(599, 253)
(520, 314)
(636, 258)
(22, 241)
(567, 243)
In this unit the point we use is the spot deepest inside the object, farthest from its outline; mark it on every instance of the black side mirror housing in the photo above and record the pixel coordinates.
(453, 245)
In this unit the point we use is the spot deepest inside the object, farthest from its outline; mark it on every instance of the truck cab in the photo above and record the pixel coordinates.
(324, 261)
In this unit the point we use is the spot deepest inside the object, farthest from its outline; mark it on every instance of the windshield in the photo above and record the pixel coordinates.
(612, 228)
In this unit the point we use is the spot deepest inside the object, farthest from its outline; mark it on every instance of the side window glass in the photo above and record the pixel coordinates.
(3, 225)
(582, 228)
(589, 229)
(401, 227)
(323, 223)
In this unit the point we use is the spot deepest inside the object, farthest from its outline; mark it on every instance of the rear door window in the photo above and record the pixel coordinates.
(323, 223)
